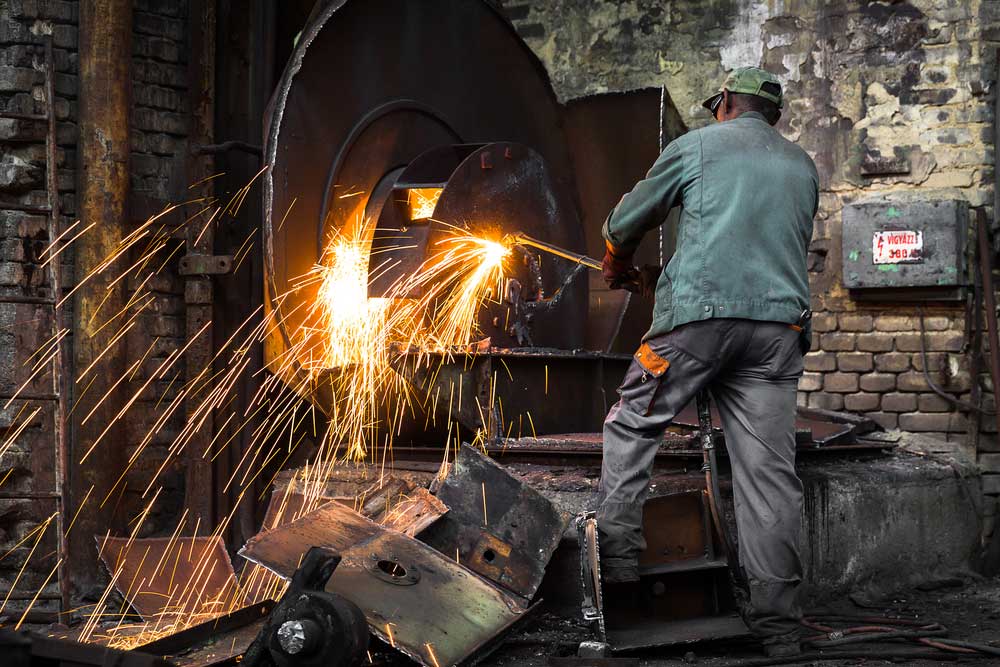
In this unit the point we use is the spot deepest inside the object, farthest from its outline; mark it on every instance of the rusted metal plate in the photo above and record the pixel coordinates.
(403, 506)
(421, 602)
(161, 576)
(214, 642)
(498, 526)
(333, 526)
(395, 502)
(415, 598)
(683, 594)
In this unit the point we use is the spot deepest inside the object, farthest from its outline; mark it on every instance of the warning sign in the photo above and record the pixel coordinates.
(897, 247)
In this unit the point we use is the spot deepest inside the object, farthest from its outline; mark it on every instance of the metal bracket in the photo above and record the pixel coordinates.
(205, 265)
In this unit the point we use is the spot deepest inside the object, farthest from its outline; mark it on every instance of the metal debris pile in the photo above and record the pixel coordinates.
(440, 575)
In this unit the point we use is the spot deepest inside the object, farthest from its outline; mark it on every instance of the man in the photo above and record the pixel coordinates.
(730, 311)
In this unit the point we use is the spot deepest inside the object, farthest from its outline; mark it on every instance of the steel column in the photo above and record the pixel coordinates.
(102, 193)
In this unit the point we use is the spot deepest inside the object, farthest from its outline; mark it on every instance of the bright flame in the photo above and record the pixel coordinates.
(422, 202)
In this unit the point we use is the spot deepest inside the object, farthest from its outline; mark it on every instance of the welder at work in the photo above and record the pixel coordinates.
(732, 315)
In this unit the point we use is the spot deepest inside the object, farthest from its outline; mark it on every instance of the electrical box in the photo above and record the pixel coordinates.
(907, 251)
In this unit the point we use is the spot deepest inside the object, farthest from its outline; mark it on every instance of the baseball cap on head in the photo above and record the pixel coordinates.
(749, 81)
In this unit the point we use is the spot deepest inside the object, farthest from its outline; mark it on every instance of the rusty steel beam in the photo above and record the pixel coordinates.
(198, 286)
(102, 195)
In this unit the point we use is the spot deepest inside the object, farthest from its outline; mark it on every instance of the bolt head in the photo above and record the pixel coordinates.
(292, 637)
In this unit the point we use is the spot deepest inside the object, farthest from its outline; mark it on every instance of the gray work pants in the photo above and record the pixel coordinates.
(752, 370)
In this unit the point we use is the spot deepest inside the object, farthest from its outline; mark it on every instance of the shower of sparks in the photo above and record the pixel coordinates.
(350, 345)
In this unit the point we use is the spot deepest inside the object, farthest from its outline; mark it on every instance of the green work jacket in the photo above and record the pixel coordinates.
(748, 197)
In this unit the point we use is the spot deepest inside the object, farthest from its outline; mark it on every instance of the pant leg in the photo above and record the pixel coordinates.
(634, 428)
(756, 401)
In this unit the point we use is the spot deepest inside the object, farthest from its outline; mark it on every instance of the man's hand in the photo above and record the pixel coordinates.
(617, 269)
(647, 276)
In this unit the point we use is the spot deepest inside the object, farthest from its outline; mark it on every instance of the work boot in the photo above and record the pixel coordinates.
(782, 647)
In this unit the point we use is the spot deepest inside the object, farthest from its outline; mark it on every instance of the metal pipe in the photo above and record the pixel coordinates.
(524, 240)
(103, 146)
(709, 465)
(989, 300)
(60, 375)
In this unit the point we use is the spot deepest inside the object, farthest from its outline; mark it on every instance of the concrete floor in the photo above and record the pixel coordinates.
(969, 608)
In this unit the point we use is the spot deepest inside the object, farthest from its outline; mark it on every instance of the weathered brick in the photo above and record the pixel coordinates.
(894, 323)
(825, 401)
(820, 361)
(162, 74)
(164, 7)
(916, 421)
(64, 36)
(802, 399)
(840, 382)
(157, 25)
(934, 341)
(933, 403)
(856, 322)
(17, 79)
(157, 48)
(824, 322)
(936, 361)
(875, 342)
(877, 382)
(990, 462)
(861, 402)
(855, 361)
(157, 97)
(897, 402)
(893, 362)
(811, 382)
(911, 381)
(155, 120)
(837, 342)
(941, 323)
(11, 274)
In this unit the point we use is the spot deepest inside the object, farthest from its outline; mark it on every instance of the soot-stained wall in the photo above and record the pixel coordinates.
(889, 98)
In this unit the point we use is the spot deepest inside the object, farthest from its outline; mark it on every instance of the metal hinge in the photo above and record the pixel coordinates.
(205, 265)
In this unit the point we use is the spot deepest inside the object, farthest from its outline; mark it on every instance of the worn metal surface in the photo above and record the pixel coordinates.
(161, 576)
(399, 504)
(452, 89)
(24, 649)
(212, 642)
(103, 147)
(683, 594)
(199, 264)
(613, 140)
(395, 502)
(941, 264)
(333, 526)
(497, 525)
(396, 581)
(523, 391)
(442, 617)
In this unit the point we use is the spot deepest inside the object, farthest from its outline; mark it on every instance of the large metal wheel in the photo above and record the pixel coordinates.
(373, 84)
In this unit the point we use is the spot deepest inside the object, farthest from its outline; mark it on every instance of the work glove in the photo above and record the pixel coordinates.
(617, 268)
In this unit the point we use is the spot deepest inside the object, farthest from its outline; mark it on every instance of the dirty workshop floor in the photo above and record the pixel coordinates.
(969, 608)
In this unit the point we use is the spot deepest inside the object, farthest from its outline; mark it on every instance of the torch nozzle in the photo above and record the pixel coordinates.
(525, 240)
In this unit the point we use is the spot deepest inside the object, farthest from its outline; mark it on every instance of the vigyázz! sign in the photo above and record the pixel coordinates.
(897, 247)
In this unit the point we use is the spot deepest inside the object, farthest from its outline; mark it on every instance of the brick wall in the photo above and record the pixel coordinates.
(887, 97)
(158, 153)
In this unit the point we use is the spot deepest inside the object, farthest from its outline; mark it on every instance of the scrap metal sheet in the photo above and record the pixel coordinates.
(499, 527)
(432, 608)
(416, 599)
(333, 526)
(161, 575)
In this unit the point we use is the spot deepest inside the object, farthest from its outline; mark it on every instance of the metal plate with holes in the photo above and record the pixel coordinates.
(498, 526)
(333, 525)
(205, 265)
(440, 617)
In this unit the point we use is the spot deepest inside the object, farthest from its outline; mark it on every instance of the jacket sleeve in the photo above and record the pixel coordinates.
(646, 206)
